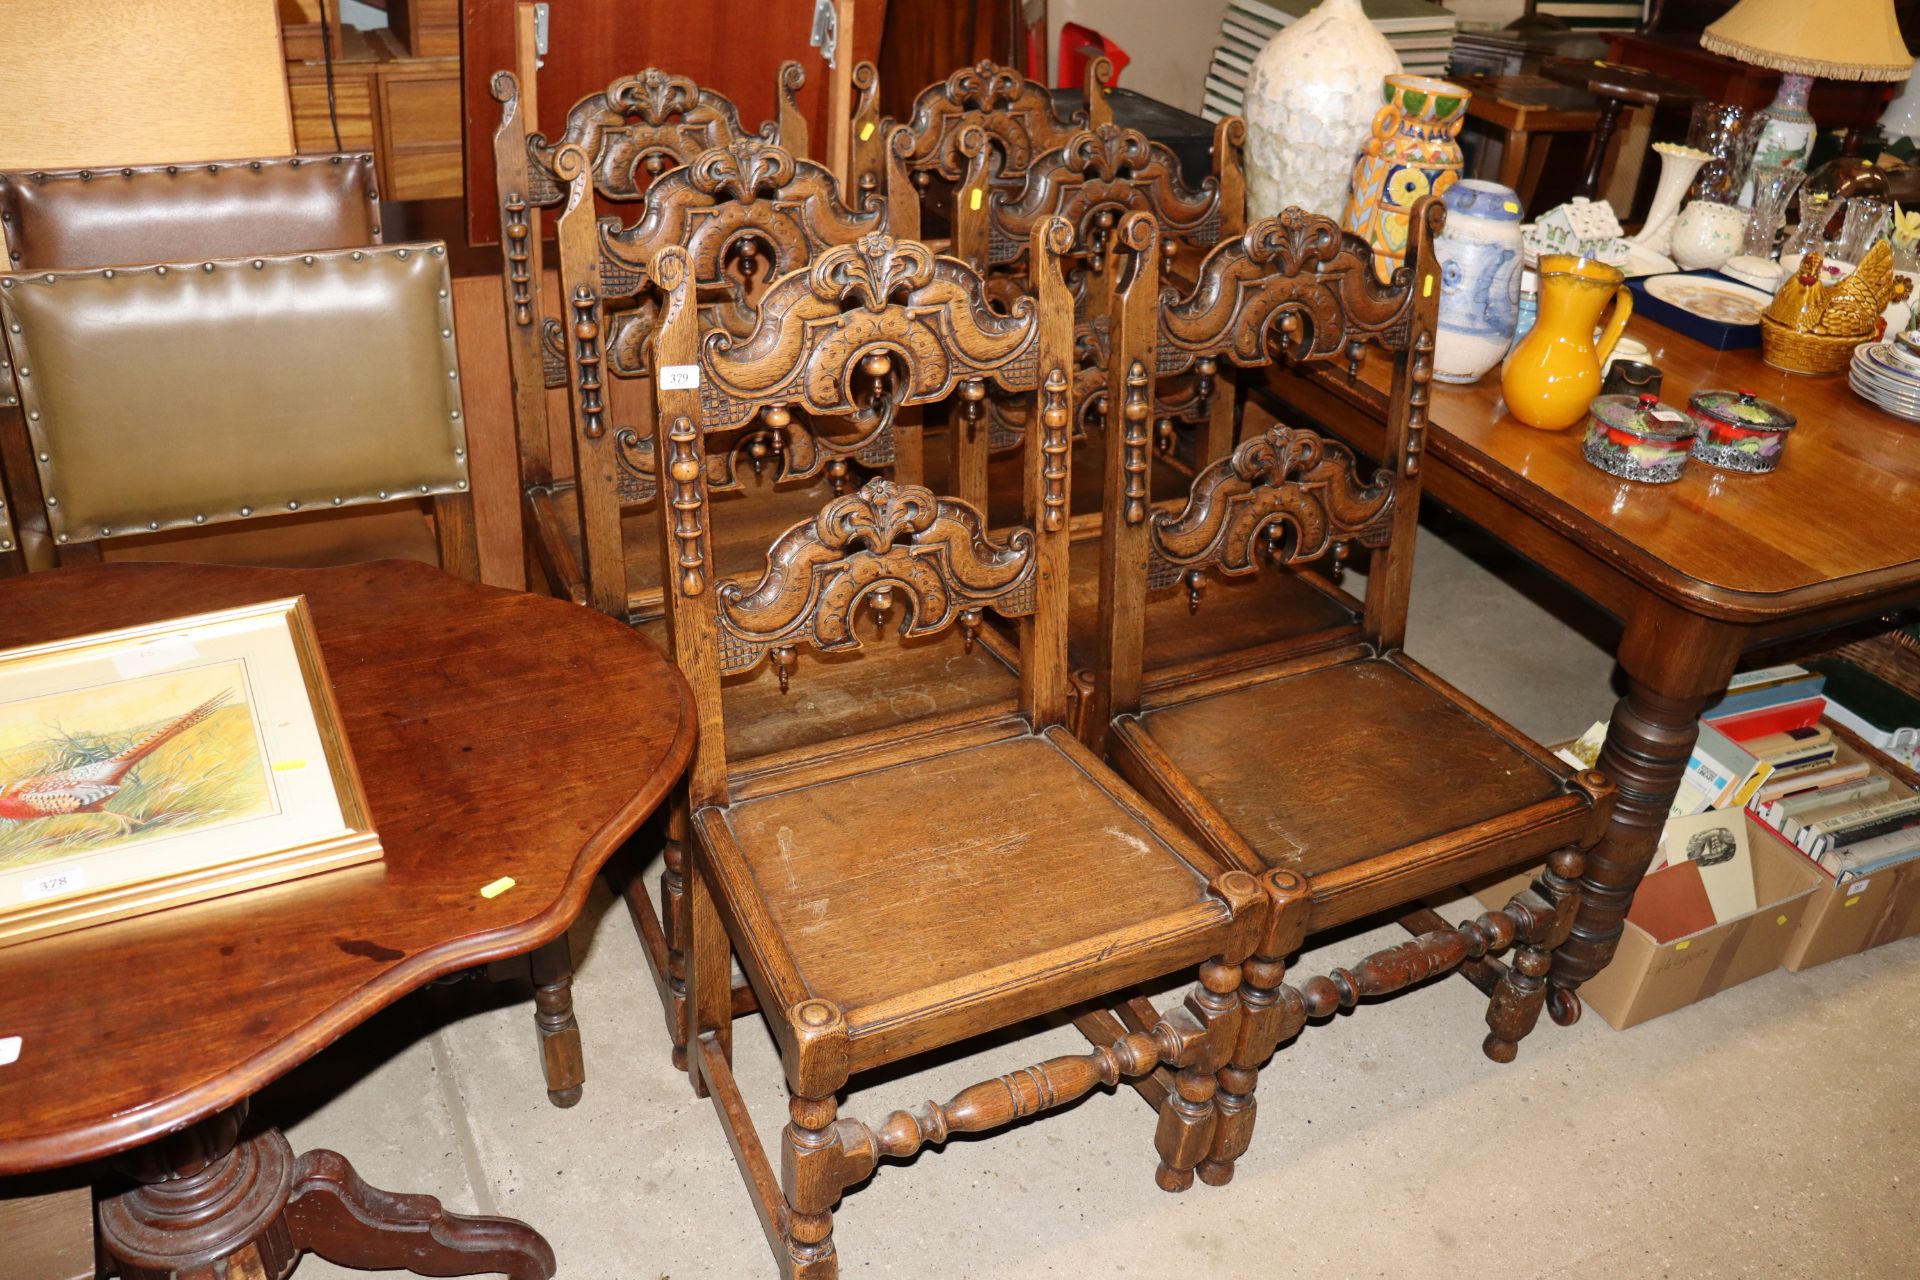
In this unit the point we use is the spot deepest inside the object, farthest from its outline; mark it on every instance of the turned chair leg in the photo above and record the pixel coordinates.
(1515, 1007)
(708, 961)
(673, 919)
(1261, 1008)
(809, 1149)
(553, 1020)
(1189, 1116)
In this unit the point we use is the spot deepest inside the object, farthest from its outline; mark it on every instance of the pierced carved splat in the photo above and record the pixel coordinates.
(1285, 480)
(819, 331)
(1097, 176)
(637, 128)
(1017, 115)
(749, 199)
(789, 452)
(1292, 287)
(896, 543)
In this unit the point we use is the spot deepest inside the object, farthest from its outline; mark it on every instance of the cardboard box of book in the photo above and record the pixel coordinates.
(1676, 948)
(1870, 883)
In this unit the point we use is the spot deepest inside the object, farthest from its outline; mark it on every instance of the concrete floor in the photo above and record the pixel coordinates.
(1770, 1131)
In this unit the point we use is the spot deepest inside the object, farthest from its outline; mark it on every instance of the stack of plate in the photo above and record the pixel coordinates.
(1888, 374)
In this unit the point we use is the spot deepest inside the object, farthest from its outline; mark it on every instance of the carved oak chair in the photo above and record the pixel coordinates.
(632, 132)
(1014, 873)
(1351, 780)
(749, 197)
(58, 219)
(1017, 116)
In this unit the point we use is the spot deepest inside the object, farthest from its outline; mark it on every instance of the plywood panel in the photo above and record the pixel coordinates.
(107, 82)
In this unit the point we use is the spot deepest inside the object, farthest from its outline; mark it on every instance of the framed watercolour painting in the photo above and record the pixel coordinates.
(167, 764)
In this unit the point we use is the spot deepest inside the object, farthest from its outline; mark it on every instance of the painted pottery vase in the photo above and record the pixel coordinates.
(1480, 255)
(1551, 378)
(1309, 108)
(1785, 131)
(1414, 151)
(1707, 234)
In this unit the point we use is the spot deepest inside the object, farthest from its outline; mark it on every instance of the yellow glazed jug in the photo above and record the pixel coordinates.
(1554, 374)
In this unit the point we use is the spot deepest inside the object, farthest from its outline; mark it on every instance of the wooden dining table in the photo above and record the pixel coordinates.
(1698, 571)
(507, 744)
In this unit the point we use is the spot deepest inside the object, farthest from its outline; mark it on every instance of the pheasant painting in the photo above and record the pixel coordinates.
(88, 787)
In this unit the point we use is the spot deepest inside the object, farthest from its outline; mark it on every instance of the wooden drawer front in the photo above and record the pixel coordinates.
(422, 148)
(353, 102)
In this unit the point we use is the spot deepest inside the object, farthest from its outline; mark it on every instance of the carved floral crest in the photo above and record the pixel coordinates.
(1290, 491)
(743, 169)
(884, 541)
(873, 269)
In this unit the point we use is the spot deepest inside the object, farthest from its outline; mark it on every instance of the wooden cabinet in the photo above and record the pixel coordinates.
(406, 109)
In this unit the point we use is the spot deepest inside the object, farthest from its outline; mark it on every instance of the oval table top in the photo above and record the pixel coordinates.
(496, 734)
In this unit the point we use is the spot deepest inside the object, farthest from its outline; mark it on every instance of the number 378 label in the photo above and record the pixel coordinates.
(48, 886)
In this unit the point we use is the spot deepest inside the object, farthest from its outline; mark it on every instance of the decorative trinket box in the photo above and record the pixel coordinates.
(1638, 438)
(1737, 431)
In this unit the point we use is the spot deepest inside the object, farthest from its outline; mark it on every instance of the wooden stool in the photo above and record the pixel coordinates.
(1523, 106)
(1617, 87)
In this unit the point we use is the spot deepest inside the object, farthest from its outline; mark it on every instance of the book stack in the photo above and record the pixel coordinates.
(1835, 804)
(1420, 32)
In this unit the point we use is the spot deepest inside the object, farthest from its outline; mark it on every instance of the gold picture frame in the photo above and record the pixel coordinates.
(166, 764)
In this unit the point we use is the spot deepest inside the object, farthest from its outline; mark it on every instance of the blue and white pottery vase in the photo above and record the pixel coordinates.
(1480, 260)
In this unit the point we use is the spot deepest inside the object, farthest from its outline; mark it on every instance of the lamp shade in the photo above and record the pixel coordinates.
(1832, 39)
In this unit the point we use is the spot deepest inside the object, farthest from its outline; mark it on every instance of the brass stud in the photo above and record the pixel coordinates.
(308, 259)
(108, 273)
(106, 533)
(423, 488)
(357, 255)
(35, 417)
(463, 484)
(443, 293)
(207, 267)
(213, 168)
(173, 168)
(439, 251)
(446, 333)
(459, 454)
(258, 263)
(126, 173)
(456, 415)
(383, 493)
(293, 506)
(43, 457)
(336, 500)
(255, 166)
(160, 271)
(8, 284)
(295, 162)
(199, 519)
(400, 254)
(153, 526)
(333, 160)
(453, 373)
(246, 511)
(48, 277)
(86, 175)
(25, 372)
(63, 537)
(53, 502)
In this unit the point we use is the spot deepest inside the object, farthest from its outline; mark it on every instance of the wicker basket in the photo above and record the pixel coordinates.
(1798, 352)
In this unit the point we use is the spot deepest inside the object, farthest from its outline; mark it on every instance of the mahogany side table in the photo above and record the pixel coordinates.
(497, 735)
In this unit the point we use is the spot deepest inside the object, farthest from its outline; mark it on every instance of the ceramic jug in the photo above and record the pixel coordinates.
(1414, 151)
(1479, 255)
(1554, 374)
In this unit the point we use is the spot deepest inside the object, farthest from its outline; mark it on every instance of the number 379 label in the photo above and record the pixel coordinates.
(680, 377)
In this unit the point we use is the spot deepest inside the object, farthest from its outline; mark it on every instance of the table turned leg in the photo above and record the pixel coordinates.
(559, 1031)
(1610, 109)
(1674, 662)
(210, 1205)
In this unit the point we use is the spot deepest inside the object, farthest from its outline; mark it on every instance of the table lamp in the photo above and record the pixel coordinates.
(1838, 39)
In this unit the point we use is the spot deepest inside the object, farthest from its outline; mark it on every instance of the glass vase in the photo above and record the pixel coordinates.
(1720, 129)
(1773, 190)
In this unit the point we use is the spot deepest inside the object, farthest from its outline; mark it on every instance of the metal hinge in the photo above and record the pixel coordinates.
(540, 16)
(826, 31)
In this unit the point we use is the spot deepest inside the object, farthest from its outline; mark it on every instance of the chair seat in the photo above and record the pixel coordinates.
(745, 524)
(1235, 614)
(931, 886)
(1326, 768)
(839, 695)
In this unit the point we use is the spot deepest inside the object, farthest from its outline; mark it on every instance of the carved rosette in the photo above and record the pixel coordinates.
(885, 541)
(1285, 482)
(1055, 418)
(586, 351)
(1134, 412)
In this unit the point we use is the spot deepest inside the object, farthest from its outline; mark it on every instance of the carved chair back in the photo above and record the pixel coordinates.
(879, 309)
(1017, 117)
(750, 199)
(634, 130)
(1291, 289)
(1094, 179)
(176, 396)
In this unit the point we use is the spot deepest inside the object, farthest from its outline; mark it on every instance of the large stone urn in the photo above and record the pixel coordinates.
(1310, 105)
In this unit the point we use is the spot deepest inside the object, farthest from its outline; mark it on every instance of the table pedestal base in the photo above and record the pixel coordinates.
(213, 1207)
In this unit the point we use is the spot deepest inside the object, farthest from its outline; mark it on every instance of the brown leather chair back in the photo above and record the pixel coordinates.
(164, 397)
(71, 218)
